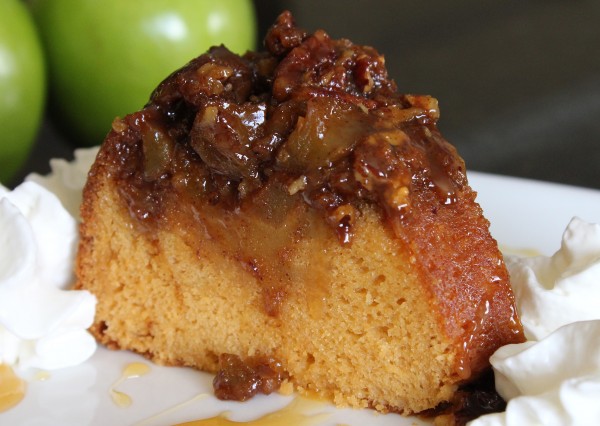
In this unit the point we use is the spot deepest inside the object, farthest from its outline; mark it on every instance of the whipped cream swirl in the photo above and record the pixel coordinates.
(554, 291)
(42, 323)
(554, 378)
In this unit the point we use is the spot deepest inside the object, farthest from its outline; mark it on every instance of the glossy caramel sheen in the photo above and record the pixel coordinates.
(240, 380)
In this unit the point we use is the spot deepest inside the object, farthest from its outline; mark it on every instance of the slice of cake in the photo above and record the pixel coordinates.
(288, 215)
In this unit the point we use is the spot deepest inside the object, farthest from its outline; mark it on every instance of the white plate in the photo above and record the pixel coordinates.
(527, 214)
(524, 215)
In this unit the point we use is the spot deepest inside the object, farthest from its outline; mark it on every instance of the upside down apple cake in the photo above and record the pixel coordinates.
(288, 215)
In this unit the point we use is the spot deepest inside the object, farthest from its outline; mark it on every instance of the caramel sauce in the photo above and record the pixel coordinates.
(464, 368)
(522, 252)
(240, 380)
(132, 370)
(12, 388)
(42, 376)
(292, 414)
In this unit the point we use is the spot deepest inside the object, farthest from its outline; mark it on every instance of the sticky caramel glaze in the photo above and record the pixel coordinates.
(253, 155)
(240, 380)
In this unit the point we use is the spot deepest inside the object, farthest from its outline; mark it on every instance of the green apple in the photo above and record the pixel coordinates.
(106, 57)
(22, 86)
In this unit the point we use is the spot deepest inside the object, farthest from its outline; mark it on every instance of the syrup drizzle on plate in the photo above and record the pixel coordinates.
(131, 371)
(12, 388)
(42, 376)
(292, 414)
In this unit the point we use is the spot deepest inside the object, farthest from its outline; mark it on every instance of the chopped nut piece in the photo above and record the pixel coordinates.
(297, 185)
(118, 125)
(213, 75)
(398, 198)
(344, 211)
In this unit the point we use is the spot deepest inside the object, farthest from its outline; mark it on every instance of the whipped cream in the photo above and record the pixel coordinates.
(42, 323)
(554, 378)
(554, 291)
(67, 178)
(555, 381)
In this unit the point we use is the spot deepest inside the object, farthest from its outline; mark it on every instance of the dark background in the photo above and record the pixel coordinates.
(518, 81)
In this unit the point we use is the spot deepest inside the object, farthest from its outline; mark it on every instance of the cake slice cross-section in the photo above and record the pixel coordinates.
(290, 211)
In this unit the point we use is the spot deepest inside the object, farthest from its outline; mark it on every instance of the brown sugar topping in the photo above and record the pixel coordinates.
(317, 117)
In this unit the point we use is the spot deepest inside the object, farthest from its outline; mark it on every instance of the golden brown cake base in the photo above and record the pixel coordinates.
(360, 325)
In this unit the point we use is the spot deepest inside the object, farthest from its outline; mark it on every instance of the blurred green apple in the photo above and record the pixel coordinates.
(22, 86)
(106, 57)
